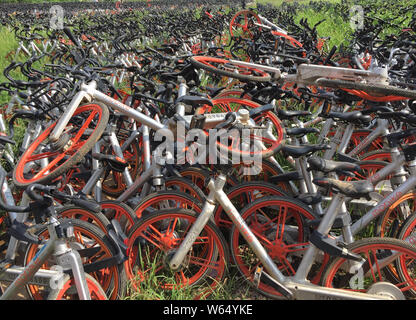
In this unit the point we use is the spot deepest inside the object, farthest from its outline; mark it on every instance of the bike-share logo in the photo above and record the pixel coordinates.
(57, 17)
(214, 146)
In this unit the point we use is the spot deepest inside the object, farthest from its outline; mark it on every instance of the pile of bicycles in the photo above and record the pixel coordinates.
(177, 146)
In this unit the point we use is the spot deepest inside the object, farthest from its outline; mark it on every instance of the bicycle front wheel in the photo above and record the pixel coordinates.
(43, 162)
(69, 291)
(95, 249)
(384, 260)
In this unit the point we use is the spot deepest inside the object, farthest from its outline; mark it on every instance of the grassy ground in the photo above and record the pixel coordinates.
(8, 43)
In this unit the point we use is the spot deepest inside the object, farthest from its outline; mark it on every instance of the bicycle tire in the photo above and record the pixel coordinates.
(165, 199)
(185, 185)
(79, 152)
(159, 234)
(74, 212)
(120, 211)
(242, 195)
(205, 62)
(378, 155)
(246, 14)
(68, 289)
(376, 247)
(408, 229)
(263, 224)
(392, 220)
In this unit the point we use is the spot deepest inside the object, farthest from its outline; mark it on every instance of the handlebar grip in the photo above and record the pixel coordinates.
(71, 37)
(30, 191)
(88, 205)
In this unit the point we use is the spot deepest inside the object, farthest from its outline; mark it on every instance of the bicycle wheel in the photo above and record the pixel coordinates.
(185, 186)
(407, 233)
(200, 176)
(94, 247)
(279, 224)
(120, 211)
(264, 172)
(358, 136)
(74, 212)
(360, 276)
(368, 168)
(380, 155)
(270, 139)
(156, 238)
(68, 290)
(242, 24)
(166, 199)
(230, 69)
(256, 145)
(72, 146)
(243, 195)
(391, 221)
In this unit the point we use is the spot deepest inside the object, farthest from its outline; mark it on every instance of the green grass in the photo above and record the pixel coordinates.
(8, 43)
(280, 2)
(51, 1)
(150, 285)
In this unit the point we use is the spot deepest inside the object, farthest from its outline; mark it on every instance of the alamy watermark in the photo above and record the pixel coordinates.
(56, 21)
(356, 17)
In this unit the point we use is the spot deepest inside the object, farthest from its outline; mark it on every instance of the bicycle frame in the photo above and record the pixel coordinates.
(65, 257)
(298, 284)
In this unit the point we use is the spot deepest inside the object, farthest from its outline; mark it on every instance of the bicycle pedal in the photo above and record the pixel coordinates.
(262, 276)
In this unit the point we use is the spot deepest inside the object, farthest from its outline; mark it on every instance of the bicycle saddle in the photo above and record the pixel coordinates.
(214, 91)
(310, 198)
(352, 189)
(117, 164)
(299, 151)
(194, 101)
(286, 115)
(300, 131)
(326, 166)
(353, 116)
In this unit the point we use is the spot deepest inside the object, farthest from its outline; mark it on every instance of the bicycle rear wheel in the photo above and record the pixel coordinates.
(157, 237)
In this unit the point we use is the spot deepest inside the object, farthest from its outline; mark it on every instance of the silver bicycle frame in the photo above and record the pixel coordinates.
(298, 285)
(65, 257)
